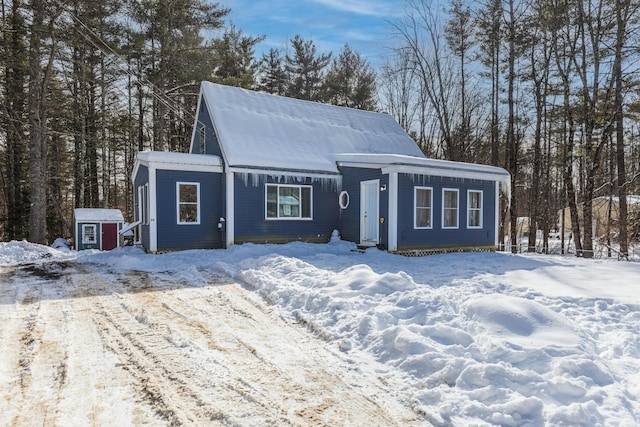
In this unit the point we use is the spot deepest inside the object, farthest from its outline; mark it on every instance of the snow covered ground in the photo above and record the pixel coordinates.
(304, 334)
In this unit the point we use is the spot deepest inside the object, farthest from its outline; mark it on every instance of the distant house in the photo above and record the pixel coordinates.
(603, 209)
(269, 169)
(97, 228)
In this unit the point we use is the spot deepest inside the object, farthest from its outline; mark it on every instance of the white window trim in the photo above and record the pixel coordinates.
(415, 208)
(146, 207)
(140, 201)
(457, 191)
(178, 184)
(343, 195)
(481, 209)
(288, 218)
(143, 204)
(86, 241)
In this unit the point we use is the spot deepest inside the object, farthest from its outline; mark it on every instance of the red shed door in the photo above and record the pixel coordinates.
(109, 236)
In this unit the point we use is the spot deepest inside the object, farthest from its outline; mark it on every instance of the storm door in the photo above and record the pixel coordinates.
(369, 212)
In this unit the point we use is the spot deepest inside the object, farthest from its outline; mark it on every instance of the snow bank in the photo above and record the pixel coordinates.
(22, 252)
(478, 338)
(472, 338)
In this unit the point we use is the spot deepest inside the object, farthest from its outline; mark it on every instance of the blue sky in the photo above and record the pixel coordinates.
(329, 23)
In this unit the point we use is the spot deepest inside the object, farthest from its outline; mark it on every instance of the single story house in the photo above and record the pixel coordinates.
(270, 169)
(97, 228)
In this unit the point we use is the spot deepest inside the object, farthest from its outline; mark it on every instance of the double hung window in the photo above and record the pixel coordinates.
(188, 206)
(423, 207)
(449, 208)
(89, 234)
(474, 209)
(143, 204)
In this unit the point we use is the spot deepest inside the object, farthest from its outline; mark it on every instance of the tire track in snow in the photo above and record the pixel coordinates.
(159, 351)
(142, 356)
(42, 356)
(137, 328)
(296, 378)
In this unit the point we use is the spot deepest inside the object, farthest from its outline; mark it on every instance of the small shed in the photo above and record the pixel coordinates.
(96, 228)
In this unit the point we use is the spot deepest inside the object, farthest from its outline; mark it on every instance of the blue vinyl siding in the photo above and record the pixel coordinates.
(349, 223)
(204, 235)
(252, 226)
(437, 237)
(141, 178)
(211, 140)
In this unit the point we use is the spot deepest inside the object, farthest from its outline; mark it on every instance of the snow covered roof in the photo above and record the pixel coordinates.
(260, 130)
(97, 215)
(177, 161)
(178, 158)
(422, 165)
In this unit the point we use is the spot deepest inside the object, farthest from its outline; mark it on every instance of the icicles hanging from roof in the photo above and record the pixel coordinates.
(427, 179)
(256, 179)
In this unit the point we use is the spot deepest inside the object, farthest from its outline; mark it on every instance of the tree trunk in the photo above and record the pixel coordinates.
(619, 119)
(14, 106)
(38, 124)
(512, 149)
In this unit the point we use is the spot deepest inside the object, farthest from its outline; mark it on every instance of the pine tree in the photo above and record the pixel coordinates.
(85, 33)
(273, 78)
(172, 34)
(351, 82)
(305, 69)
(489, 23)
(14, 117)
(234, 59)
(459, 33)
(40, 68)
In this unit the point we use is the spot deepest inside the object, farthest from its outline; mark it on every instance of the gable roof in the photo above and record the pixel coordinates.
(259, 130)
(97, 215)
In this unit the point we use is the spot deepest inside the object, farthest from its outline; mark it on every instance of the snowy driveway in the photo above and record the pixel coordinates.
(83, 344)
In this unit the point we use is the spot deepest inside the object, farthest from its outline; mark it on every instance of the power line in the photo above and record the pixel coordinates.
(104, 47)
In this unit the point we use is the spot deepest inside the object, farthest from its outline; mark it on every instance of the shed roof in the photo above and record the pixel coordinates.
(97, 215)
(260, 130)
(178, 158)
(412, 164)
(177, 161)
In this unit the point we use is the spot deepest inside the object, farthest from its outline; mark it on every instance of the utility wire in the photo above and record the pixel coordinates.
(104, 47)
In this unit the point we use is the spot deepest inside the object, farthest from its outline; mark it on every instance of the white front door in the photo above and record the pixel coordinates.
(369, 212)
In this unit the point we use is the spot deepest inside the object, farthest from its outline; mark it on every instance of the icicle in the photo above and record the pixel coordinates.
(258, 179)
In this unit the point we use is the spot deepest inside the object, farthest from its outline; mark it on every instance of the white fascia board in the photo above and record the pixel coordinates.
(392, 221)
(76, 235)
(136, 166)
(195, 120)
(497, 215)
(230, 219)
(171, 166)
(363, 165)
(186, 167)
(221, 143)
(153, 223)
(429, 167)
(450, 173)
